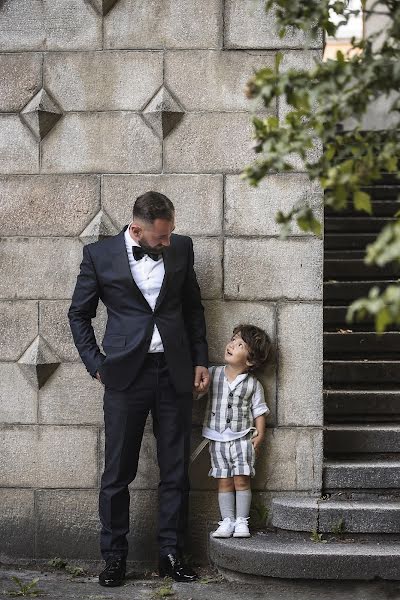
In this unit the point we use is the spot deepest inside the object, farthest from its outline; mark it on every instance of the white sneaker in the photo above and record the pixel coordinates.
(225, 529)
(241, 527)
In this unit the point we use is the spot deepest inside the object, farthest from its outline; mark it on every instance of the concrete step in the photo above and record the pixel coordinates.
(333, 515)
(354, 439)
(356, 225)
(361, 344)
(340, 292)
(348, 241)
(356, 474)
(294, 555)
(356, 405)
(361, 371)
(355, 269)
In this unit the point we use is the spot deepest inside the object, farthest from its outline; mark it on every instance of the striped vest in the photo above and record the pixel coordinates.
(226, 408)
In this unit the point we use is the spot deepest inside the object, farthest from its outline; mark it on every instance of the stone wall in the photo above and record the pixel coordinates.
(101, 100)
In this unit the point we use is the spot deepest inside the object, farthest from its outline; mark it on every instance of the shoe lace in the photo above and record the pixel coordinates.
(113, 564)
(225, 521)
(242, 520)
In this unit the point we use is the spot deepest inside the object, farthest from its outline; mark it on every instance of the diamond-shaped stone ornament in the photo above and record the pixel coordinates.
(38, 362)
(103, 6)
(163, 113)
(41, 114)
(99, 227)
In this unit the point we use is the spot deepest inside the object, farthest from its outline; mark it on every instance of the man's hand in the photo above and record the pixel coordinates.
(201, 379)
(98, 377)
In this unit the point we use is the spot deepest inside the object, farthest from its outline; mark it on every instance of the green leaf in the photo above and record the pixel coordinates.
(362, 201)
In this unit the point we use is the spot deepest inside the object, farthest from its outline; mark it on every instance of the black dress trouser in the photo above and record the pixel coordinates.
(125, 414)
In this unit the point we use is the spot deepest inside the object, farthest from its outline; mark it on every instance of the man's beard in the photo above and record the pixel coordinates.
(153, 249)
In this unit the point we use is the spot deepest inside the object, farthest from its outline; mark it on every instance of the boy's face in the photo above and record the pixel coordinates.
(237, 353)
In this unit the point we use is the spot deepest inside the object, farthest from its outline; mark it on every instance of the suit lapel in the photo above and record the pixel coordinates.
(169, 267)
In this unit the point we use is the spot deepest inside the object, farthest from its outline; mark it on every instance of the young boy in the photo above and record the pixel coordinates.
(235, 402)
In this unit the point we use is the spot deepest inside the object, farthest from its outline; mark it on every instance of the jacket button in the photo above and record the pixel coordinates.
(230, 394)
(228, 420)
(229, 405)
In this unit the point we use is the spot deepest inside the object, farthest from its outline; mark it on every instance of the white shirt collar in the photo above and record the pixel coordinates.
(236, 381)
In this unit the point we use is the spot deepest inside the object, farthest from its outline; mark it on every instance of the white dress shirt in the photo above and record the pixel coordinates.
(148, 275)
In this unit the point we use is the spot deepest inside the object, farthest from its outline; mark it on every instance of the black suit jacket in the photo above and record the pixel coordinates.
(179, 315)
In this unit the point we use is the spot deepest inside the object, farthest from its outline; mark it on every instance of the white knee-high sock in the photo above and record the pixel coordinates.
(243, 502)
(226, 501)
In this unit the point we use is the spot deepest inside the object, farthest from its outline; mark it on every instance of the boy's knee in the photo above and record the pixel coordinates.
(226, 484)
(242, 482)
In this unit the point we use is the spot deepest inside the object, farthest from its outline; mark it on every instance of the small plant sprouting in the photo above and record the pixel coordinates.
(75, 571)
(57, 563)
(340, 527)
(25, 589)
(317, 537)
(165, 591)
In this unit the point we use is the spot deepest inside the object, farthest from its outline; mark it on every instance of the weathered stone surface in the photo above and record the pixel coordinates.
(18, 398)
(39, 267)
(100, 227)
(17, 524)
(143, 527)
(217, 142)
(247, 25)
(38, 362)
(103, 80)
(203, 514)
(210, 142)
(18, 327)
(41, 114)
(163, 113)
(102, 142)
(48, 456)
(147, 476)
(213, 79)
(222, 317)
(251, 211)
(197, 199)
(163, 23)
(19, 151)
(274, 268)
(290, 459)
(71, 397)
(47, 205)
(49, 25)
(208, 266)
(103, 6)
(20, 78)
(54, 326)
(70, 516)
(300, 400)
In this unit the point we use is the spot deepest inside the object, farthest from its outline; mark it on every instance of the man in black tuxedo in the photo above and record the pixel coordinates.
(155, 354)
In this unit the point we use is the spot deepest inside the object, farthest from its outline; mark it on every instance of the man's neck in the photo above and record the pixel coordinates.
(233, 372)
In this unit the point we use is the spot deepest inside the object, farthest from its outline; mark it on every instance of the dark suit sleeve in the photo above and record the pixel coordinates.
(83, 309)
(193, 313)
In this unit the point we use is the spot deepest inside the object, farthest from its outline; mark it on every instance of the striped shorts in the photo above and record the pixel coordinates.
(236, 457)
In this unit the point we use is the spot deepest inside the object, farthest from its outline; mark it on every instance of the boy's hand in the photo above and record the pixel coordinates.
(257, 440)
(201, 379)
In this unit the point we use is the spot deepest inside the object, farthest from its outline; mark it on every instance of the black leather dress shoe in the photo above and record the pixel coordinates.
(172, 566)
(114, 572)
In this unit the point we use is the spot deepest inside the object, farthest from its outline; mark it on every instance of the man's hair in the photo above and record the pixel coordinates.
(257, 341)
(153, 205)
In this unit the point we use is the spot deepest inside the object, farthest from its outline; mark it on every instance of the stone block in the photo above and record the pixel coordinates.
(143, 549)
(163, 23)
(17, 524)
(290, 459)
(203, 515)
(21, 79)
(147, 476)
(18, 398)
(208, 266)
(300, 342)
(18, 327)
(296, 60)
(213, 80)
(47, 205)
(54, 326)
(123, 80)
(209, 142)
(197, 199)
(247, 25)
(49, 25)
(19, 152)
(222, 317)
(68, 525)
(71, 397)
(39, 267)
(274, 268)
(251, 211)
(48, 456)
(101, 142)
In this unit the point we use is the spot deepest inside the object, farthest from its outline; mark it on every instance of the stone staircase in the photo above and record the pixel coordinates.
(357, 516)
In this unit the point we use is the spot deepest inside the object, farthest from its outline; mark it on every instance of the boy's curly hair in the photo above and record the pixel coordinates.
(257, 341)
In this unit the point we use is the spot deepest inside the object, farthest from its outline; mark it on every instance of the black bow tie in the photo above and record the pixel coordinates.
(139, 252)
